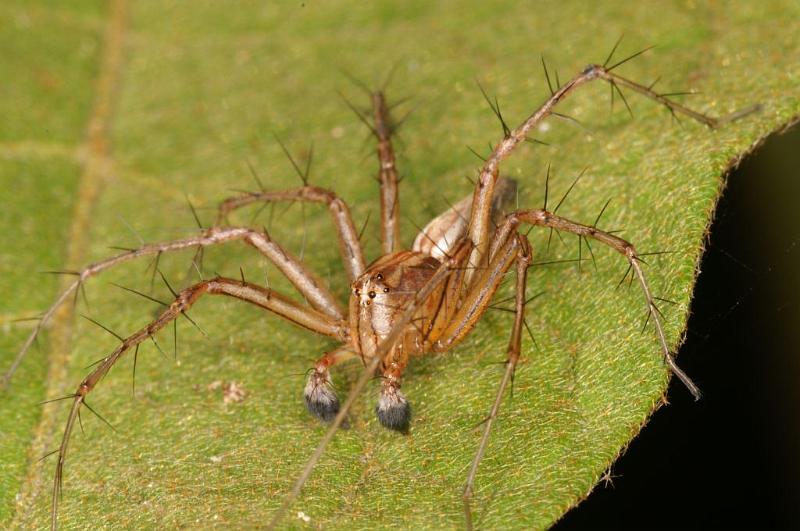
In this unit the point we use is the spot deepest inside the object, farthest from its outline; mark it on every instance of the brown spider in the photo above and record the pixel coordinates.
(407, 302)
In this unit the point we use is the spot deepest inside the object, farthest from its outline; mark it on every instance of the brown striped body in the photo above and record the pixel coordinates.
(379, 296)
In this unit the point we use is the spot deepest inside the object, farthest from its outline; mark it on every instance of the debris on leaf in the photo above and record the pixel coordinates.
(231, 391)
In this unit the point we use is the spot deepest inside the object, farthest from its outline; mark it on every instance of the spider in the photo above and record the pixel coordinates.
(404, 304)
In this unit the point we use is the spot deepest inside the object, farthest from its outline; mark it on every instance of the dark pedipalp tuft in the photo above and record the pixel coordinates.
(321, 401)
(393, 409)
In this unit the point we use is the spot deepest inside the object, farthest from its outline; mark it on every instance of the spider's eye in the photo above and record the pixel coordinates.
(379, 276)
(371, 294)
(386, 290)
(356, 292)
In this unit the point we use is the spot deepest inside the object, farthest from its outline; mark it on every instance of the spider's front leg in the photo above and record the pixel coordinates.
(523, 261)
(301, 277)
(543, 218)
(478, 297)
(307, 283)
(263, 297)
(479, 226)
(349, 246)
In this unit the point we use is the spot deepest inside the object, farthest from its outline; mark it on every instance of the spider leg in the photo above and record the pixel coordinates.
(523, 261)
(387, 175)
(479, 226)
(444, 231)
(307, 283)
(543, 218)
(383, 127)
(349, 246)
(448, 267)
(477, 299)
(254, 294)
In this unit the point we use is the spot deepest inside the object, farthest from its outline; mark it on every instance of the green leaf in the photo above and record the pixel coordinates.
(199, 92)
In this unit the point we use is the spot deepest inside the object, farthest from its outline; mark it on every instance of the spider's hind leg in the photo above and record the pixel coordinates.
(320, 397)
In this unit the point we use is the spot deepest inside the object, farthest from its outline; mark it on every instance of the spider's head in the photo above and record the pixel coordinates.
(370, 288)
(379, 296)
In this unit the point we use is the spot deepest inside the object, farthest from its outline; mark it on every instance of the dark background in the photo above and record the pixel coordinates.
(732, 460)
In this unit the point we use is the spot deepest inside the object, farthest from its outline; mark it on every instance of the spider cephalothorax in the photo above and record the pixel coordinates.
(378, 298)
(407, 302)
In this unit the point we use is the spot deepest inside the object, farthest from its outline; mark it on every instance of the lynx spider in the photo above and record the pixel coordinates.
(405, 303)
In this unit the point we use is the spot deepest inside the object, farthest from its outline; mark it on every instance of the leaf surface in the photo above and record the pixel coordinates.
(201, 90)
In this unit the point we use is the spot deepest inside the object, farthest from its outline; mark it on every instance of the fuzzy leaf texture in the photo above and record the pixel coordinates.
(197, 91)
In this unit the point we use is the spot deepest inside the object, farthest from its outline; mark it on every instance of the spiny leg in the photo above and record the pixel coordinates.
(306, 283)
(523, 262)
(387, 175)
(543, 218)
(479, 226)
(478, 297)
(349, 246)
(445, 270)
(382, 127)
(321, 400)
(263, 297)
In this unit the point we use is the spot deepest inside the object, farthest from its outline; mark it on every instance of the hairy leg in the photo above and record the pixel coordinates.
(382, 127)
(479, 296)
(543, 218)
(263, 297)
(306, 282)
(479, 225)
(349, 246)
(523, 261)
(387, 175)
